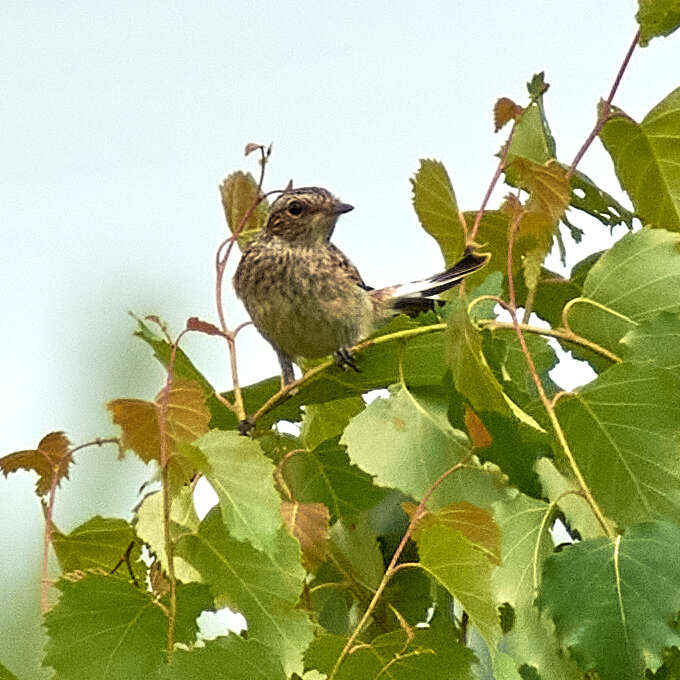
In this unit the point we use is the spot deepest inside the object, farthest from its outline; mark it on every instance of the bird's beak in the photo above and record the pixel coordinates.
(340, 208)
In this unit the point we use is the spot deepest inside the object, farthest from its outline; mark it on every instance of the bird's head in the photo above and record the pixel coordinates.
(306, 216)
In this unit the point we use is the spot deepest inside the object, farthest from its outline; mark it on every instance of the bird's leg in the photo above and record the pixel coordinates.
(287, 375)
(344, 359)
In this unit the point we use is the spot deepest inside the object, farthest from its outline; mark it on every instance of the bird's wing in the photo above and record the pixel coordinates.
(340, 260)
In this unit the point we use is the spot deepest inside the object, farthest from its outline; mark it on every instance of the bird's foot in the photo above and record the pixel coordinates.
(245, 426)
(344, 359)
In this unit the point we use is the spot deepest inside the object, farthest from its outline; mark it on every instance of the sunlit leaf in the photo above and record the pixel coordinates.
(645, 158)
(465, 571)
(656, 340)
(614, 603)
(238, 192)
(405, 441)
(50, 460)
(325, 421)
(633, 281)
(435, 204)
(242, 477)
(622, 429)
(264, 587)
(657, 18)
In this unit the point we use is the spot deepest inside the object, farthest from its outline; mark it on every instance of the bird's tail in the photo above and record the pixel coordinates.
(416, 296)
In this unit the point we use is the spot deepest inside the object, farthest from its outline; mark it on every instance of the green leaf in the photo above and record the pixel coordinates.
(564, 492)
(645, 158)
(406, 441)
(471, 373)
(264, 587)
(614, 603)
(588, 197)
(325, 421)
(435, 204)
(105, 628)
(622, 430)
(355, 551)
(632, 282)
(242, 477)
(532, 138)
(225, 658)
(99, 543)
(465, 571)
(433, 653)
(183, 519)
(238, 191)
(657, 17)
(5, 674)
(526, 542)
(656, 340)
(326, 476)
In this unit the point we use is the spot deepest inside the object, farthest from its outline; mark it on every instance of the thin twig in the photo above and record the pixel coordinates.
(605, 109)
(512, 232)
(392, 567)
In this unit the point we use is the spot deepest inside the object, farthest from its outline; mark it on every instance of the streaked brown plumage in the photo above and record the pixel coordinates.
(303, 294)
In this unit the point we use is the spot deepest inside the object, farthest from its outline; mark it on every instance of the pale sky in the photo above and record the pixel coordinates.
(120, 119)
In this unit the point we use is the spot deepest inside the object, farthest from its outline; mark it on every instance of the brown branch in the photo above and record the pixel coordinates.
(605, 109)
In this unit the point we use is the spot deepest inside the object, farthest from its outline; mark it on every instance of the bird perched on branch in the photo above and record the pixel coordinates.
(303, 294)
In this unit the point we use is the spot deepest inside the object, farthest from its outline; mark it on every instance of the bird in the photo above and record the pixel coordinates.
(305, 296)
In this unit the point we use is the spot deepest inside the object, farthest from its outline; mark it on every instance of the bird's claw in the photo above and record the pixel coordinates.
(344, 359)
(245, 426)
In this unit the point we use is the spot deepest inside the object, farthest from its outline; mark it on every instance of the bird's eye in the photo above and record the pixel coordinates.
(295, 208)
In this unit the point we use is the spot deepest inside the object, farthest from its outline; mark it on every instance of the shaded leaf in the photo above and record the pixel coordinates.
(264, 587)
(622, 430)
(437, 209)
(50, 460)
(325, 421)
(6, 675)
(431, 653)
(99, 543)
(242, 477)
(355, 550)
(326, 476)
(231, 657)
(614, 603)
(405, 441)
(103, 627)
(645, 158)
(588, 197)
(308, 522)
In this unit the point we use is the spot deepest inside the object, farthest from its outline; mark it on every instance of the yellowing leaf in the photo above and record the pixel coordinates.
(505, 110)
(51, 459)
(187, 419)
(238, 193)
(308, 522)
(476, 524)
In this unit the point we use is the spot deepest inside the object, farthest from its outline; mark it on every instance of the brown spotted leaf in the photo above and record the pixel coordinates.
(479, 435)
(50, 459)
(308, 522)
(476, 524)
